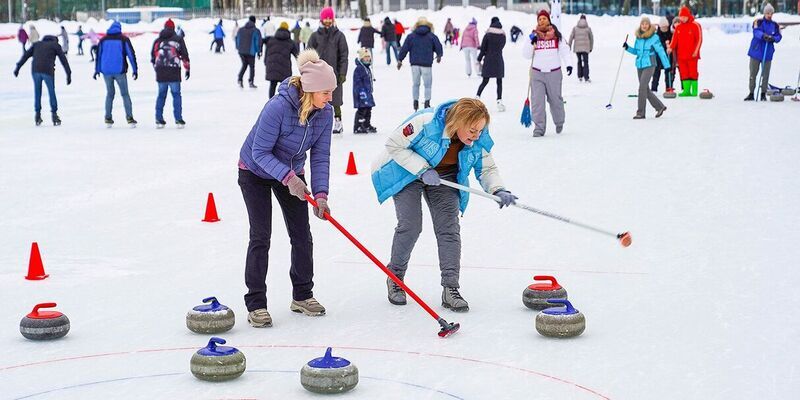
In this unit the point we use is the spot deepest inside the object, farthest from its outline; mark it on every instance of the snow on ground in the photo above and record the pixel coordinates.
(702, 306)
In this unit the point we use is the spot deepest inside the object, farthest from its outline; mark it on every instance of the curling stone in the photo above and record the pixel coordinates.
(706, 95)
(217, 363)
(777, 96)
(787, 91)
(560, 322)
(210, 318)
(328, 375)
(44, 325)
(535, 296)
(670, 94)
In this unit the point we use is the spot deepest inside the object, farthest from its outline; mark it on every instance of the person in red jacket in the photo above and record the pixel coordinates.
(399, 30)
(687, 39)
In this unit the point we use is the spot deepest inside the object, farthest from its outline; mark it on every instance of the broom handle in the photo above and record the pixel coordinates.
(621, 57)
(530, 73)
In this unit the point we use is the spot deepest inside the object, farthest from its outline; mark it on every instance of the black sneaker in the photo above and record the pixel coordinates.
(160, 123)
(749, 97)
(131, 122)
(763, 97)
(253, 86)
(427, 104)
(371, 129)
(180, 124)
(38, 119)
(416, 105)
(56, 120)
(240, 83)
(109, 122)
(359, 129)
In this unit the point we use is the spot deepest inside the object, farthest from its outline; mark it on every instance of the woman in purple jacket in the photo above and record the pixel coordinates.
(296, 120)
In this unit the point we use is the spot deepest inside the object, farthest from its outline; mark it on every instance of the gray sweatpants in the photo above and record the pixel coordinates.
(443, 203)
(754, 66)
(645, 94)
(546, 84)
(426, 74)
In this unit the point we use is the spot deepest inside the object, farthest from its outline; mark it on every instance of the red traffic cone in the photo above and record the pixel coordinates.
(211, 210)
(351, 165)
(35, 266)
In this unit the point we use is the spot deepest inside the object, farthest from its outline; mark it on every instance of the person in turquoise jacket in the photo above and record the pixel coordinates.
(646, 48)
(445, 143)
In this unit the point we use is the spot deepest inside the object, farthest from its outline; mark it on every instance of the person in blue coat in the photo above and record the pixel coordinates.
(646, 48)
(448, 143)
(363, 100)
(421, 45)
(113, 54)
(762, 47)
(219, 36)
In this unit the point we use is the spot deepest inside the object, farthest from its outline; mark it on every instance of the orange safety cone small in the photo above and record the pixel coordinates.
(211, 210)
(351, 165)
(35, 265)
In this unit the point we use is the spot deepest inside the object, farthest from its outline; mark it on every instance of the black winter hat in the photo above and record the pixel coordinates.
(252, 19)
(495, 19)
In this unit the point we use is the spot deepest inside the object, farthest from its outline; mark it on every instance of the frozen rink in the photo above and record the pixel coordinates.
(703, 305)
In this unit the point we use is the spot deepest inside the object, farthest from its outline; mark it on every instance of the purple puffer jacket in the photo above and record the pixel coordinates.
(277, 143)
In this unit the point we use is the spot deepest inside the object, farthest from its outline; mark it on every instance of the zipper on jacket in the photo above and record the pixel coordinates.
(300, 149)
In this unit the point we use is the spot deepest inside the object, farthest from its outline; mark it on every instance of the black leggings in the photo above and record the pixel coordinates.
(272, 86)
(499, 87)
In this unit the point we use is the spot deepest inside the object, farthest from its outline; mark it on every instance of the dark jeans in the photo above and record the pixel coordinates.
(80, 47)
(363, 117)
(583, 65)
(220, 45)
(248, 61)
(49, 81)
(257, 193)
(669, 76)
(499, 87)
(272, 86)
(93, 51)
(177, 105)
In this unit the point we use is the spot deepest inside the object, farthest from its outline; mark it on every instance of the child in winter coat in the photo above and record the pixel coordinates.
(469, 46)
(546, 77)
(421, 45)
(581, 41)
(22, 36)
(362, 92)
(456, 36)
(646, 47)
(491, 56)
(762, 47)
(366, 36)
(219, 37)
(665, 36)
(686, 42)
(448, 32)
(446, 143)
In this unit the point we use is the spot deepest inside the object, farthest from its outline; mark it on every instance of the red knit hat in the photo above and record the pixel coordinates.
(543, 12)
(169, 24)
(326, 13)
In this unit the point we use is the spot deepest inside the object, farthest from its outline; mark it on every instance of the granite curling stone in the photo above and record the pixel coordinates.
(535, 296)
(670, 94)
(329, 375)
(217, 363)
(210, 318)
(560, 322)
(706, 95)
(788, 91)
(44, 325)
(777, 96)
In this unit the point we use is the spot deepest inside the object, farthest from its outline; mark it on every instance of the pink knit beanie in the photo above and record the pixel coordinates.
(326, 13)
(315, 74)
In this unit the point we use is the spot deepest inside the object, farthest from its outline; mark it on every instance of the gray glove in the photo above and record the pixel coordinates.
(506, 198)
(297, 187)
(321, 208)
(431, 178)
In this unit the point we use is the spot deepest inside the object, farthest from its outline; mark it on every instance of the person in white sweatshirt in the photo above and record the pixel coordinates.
(549, 51)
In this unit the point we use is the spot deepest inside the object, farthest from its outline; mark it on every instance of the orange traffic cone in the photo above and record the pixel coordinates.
(351, 165)
(211, 210)
(35, 266)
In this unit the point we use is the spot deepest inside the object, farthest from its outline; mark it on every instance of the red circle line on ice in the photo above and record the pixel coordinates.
(289, 346)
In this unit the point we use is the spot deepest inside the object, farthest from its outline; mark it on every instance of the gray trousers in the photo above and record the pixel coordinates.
(122, 82)
(645, 94)
(443, 203)
(426, 74)
(754, 66)
(546, 85)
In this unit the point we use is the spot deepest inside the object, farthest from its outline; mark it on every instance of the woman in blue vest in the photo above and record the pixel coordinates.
(646, 47)
(447, 142)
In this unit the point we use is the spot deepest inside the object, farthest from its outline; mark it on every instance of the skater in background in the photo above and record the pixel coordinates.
(43, 69)
(278, 53)
(551, 52)
(646, 48)
(399, 30)
(687, 39)
(248, 43)
(456, 36)
(79, 34)
(362, 93)
(421, 45)
(366, 36)
(331, 45)
(22, 36)
(665, 37)
(167, 55)
(267, 27)
(390, 40)
(94, 40)
(447, 143)
(272, 163)
(296, 33)
(219, 37)
(33, 36)
(448, 32)
(64, 40)
(113, 50)
(515, 32)
(762, 48)
(305, 34)
(469, 46)
(581, 40)
(491, 56)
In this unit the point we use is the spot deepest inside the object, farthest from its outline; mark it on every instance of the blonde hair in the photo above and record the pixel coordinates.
(464, 113)
(306, 100)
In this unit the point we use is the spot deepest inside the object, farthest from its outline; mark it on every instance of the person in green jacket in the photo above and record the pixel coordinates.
(646, 48)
